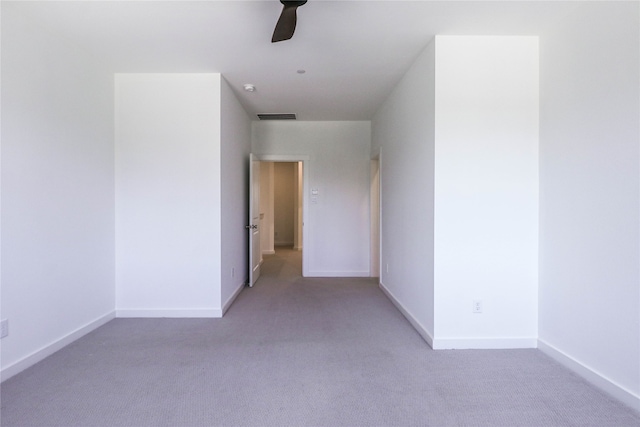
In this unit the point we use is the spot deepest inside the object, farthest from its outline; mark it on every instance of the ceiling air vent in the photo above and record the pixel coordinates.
(277, 116)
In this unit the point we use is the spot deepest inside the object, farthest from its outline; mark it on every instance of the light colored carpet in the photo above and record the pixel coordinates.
(297, 352)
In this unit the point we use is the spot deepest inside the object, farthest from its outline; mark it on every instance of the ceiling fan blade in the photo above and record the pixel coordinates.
(286, 25)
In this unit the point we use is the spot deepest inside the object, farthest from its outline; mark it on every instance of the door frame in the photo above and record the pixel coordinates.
(374, 217)
(306, 235)
(378, 159)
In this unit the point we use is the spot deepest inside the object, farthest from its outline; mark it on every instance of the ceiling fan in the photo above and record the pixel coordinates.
(287, 22)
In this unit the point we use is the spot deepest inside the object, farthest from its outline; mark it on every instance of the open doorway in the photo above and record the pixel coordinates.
(281, 210)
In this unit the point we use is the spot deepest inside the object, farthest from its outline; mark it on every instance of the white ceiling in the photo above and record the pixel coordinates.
(354, 52)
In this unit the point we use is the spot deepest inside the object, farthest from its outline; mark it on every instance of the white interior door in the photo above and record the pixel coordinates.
(254, 219)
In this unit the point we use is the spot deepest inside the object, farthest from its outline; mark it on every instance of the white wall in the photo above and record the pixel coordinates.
(589, 261)
(235, 143)
(589, 194)
(403, 136)
(486, 191)
(283, 203)
(57, 191)
(337, 230)
(168, 195)
(458, 140)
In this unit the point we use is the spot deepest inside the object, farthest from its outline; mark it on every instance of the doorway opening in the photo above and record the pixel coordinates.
(281, 210)
(375, 218)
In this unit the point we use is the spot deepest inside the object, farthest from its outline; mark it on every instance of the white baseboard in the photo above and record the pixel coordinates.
(408, 315)
(233, 297)
(484, 343)
(172, 313)
(268, 252)
(459, 343)
(337, 274)
(596, 378)
(49, 349)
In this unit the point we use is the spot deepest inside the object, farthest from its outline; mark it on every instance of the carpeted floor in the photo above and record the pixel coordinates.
(297, 352)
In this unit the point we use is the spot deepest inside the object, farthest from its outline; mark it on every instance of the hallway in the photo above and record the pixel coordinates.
(286, 265)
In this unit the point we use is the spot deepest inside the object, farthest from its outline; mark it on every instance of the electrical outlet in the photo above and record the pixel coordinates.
(477, 306)
(4, 328)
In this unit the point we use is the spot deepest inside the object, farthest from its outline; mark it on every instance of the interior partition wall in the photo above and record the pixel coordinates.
(460, 192)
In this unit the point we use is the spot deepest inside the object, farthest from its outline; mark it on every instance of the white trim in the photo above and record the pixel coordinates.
(407, 314)
(48, 350)
(379, 157)
(268, 252)
(484, 343)
(337, 273)
(172, 313)
(596, 378)
(374, 217)
(232, 298)
(459, 343)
